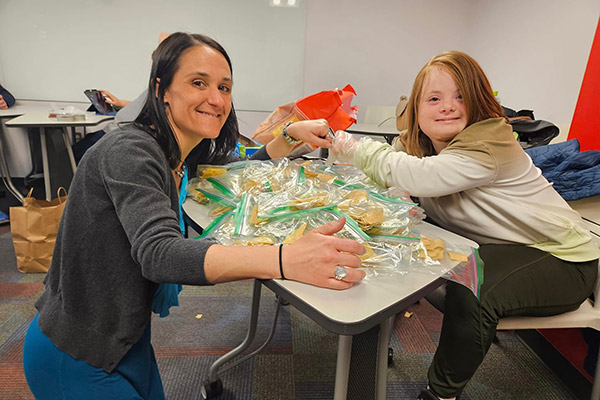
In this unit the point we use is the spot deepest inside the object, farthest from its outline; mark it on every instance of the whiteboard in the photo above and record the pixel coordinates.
(54, 50)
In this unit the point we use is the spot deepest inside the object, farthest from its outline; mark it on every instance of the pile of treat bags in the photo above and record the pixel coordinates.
(271, 202)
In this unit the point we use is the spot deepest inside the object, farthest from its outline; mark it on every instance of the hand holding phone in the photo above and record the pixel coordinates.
(98, 101)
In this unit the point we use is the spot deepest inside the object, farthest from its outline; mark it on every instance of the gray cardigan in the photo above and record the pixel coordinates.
(119, 236)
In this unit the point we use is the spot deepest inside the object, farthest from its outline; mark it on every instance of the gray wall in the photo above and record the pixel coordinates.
(534, 51)
(53, 50)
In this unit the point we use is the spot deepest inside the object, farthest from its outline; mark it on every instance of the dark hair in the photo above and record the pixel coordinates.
(153, 117)
(473, 84)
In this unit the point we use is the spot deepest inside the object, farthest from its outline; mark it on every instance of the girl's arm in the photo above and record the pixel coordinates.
(443, 174)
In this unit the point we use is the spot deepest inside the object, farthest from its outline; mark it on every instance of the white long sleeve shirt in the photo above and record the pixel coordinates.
(485, 187)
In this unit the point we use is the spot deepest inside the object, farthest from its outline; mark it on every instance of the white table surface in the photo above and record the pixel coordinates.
(365, 299)
(32, 106)
(12, 112)
(588, 208)
(41, 119)
(20, 108)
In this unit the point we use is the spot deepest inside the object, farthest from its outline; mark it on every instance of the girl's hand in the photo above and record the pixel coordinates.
(314, 257)
(315, 132)
(343, 148)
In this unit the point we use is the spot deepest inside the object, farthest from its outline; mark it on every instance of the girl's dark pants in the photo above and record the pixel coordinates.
(518, 280)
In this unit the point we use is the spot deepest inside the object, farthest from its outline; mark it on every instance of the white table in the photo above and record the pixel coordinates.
(19, 108)
(362, 316)
(387, 131)
(24, 107)
(589, 209)
(4, 170)
(42, 121)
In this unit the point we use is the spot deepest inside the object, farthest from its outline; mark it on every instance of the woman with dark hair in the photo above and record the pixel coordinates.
(120, 249)
(459, 157)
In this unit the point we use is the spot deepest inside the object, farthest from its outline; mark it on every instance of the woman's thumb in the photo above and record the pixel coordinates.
(331, 227)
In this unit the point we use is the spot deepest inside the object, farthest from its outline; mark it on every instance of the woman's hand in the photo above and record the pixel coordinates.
(311, 259)
(314, 257)
(3, 105)
(114, 100)
(315, 132)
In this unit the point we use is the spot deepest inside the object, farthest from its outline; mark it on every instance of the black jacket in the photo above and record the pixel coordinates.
(9, 98)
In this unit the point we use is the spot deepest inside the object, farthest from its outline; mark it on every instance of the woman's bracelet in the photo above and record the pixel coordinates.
(280, 263)
(287, 137)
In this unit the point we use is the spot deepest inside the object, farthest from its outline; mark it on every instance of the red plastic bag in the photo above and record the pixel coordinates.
(333, 105)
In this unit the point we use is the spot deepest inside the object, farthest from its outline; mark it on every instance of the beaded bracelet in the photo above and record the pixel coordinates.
(287, 137)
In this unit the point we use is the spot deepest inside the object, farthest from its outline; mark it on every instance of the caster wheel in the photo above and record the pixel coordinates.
(210, 390)
(390, 357)
(282, 301)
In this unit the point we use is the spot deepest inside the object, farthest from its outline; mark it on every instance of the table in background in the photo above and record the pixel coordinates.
(25, 107)
(362, 316)
(388, 132)
(589, 209)
(19, 108)
(42, 121)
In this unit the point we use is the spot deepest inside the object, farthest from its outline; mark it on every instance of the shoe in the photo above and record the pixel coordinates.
(427, 394)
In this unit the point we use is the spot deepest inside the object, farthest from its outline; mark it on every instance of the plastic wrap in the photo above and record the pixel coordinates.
(342, 148)
(469, 272)
(240, 227)
(216, 202)
(467, 266)
(269, 176)
(272, 202)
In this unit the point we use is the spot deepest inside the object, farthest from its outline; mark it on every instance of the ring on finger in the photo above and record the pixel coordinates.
(340, 273)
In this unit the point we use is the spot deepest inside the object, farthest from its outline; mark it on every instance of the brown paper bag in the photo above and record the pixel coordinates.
(273, 125)
(34, 227)
(333, 105)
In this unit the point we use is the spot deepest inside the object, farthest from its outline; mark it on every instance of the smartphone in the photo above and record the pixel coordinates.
(98, 101)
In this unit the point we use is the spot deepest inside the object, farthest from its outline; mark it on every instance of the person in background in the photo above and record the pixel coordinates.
(114, 100)
(460, 158)
(127, 112)
(91, 336)
(130, 111)
(6, 99)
